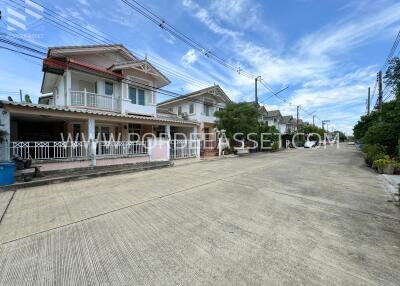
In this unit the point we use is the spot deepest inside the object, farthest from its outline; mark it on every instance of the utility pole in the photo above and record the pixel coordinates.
(313, 120)
(369, 100)
(297, 121)
(256, 89)
(380, 91)
(20, 95)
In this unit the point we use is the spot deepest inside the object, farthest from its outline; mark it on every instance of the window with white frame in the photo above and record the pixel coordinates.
(136, 95)
(179, 110)
(109, 88)
(191, 108)
(207, 109)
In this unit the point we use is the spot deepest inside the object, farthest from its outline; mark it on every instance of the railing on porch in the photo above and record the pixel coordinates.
(65, 150)
(94, 100)
(184, 149)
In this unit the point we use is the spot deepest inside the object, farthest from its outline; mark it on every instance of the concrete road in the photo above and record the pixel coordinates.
(300, 217)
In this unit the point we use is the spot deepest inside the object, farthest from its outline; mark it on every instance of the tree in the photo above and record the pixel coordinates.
(385, 134)
(238, 118)
(392, 76)
(363, 124)
(308, 129)
(271, 134)
(28, 98)
(342, 136)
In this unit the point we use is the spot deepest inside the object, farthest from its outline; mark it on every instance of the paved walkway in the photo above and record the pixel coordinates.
(311, 217)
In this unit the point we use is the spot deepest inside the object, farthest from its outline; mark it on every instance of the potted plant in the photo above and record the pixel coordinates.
(384, 165)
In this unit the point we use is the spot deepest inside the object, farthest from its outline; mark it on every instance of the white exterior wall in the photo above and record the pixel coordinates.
(198, 114)
(70, 82)
(150, 98)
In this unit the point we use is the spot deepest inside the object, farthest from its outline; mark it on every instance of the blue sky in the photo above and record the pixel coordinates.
(326, 51)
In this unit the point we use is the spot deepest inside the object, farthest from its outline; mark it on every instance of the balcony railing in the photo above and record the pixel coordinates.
(95, 101)
(53, 150)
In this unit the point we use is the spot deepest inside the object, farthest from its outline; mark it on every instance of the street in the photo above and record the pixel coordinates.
(298, 217)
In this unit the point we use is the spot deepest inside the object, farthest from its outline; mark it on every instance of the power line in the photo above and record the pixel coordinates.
(66, 25)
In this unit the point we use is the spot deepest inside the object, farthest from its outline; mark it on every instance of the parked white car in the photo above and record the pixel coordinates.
(310, 144)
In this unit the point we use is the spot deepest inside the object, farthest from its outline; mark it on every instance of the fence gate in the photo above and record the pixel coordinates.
(179, 149)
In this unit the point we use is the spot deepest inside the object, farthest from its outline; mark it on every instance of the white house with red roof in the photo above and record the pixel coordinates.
(90, 90)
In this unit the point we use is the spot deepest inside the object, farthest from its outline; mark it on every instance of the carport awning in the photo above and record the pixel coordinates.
(69, 112)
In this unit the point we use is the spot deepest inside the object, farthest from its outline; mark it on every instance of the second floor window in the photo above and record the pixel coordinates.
(191, 108)
(136, 96)
(141, 96)
(179, 110)
(109, 88)
(132, 95)
(207, 110)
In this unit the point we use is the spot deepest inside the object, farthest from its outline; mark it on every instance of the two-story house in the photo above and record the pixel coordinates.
(90, 90)
(199, 106)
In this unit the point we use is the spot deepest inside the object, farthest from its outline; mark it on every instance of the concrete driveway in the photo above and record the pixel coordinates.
(310, 217)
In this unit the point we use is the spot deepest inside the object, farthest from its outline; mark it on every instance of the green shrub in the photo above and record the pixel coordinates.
(380, 163)
(275, 146)
(374, 152)
(385, 134)
(397, 168)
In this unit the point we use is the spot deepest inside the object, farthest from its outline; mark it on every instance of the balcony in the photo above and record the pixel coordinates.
(95, 101)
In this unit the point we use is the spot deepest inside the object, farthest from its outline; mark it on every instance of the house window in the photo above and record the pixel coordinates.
(137, 96)
(191, 108)
(109, 88)
(76, 129)
(179, 110)
(207, 109)
(141, 96)
(170, 109)
(134, 131)
(132, 95)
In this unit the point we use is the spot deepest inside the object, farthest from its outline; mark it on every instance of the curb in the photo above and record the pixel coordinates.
(82, 176)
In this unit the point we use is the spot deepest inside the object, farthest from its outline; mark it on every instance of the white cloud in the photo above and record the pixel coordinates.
(84, 2)
(203, 16)
(190, 57)
(341, 36)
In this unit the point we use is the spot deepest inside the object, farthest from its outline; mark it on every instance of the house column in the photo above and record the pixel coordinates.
(168, 131)
(68, 86)
(92, 141)
(194, 134)
(124, 96)
(4, 145)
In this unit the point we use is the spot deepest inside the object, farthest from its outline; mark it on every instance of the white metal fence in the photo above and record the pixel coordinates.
(64, 150)
(184, 149)
(94, 100)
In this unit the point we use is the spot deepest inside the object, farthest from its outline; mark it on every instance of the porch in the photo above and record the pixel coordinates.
(62, 140)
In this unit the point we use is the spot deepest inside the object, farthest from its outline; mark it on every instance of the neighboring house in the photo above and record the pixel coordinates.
(95, 89)
(290, 124)
(273, 118)
(198, 106)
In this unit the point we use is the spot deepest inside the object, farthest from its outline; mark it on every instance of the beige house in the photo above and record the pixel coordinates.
(89, 90)
(199, 106)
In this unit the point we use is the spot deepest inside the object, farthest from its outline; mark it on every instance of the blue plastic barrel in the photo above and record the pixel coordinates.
(7, 172)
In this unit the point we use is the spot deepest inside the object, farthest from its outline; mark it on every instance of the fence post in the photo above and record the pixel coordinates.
(198, 148)
(168, 148)
(149, 149)
(92, 145)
